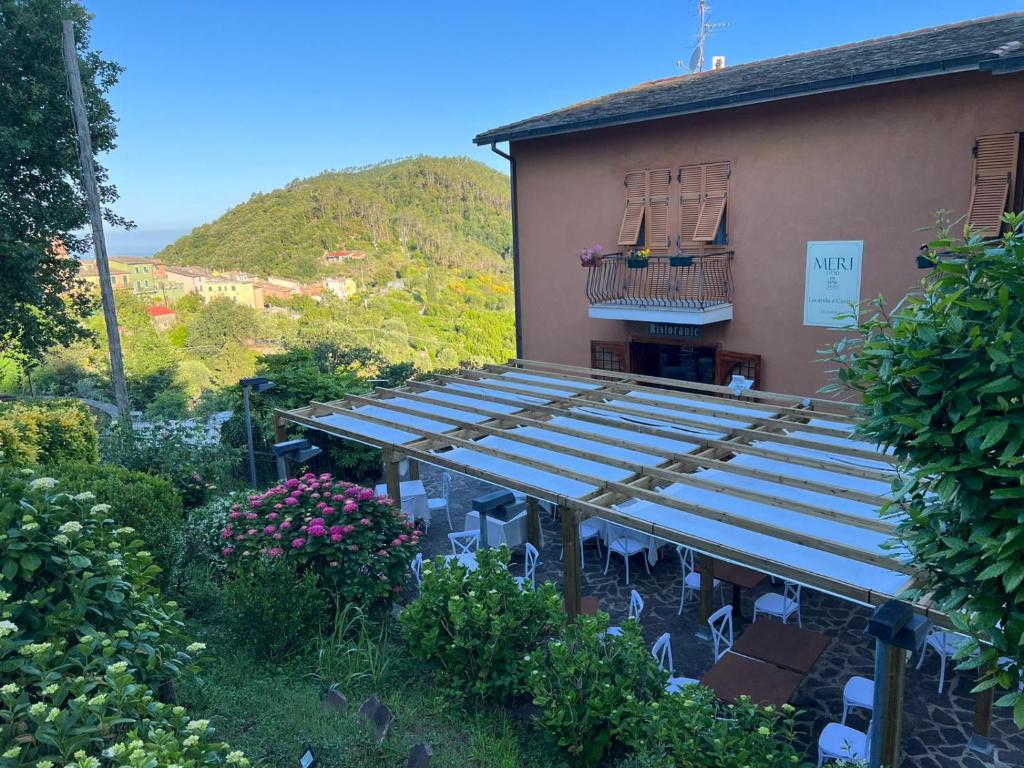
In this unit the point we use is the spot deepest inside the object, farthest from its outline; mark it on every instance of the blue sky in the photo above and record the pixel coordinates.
(223, 99)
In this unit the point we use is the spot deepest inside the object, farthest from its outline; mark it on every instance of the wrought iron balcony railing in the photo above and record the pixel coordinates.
(687, 282)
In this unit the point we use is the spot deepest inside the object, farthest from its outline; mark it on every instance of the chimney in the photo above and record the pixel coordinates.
(718, 62)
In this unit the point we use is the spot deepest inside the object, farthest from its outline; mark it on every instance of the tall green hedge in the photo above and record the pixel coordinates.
(47, 433)
(144, 502)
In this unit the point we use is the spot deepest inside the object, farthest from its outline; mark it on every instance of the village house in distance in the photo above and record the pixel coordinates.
(770, 195)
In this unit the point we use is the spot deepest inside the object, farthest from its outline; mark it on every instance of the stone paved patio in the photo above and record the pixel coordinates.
(936, 726)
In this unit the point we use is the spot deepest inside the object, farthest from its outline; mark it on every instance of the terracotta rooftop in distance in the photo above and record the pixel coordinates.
(994, 44)
(159, 311)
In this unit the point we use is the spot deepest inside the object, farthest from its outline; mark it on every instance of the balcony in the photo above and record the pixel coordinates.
(694, 290)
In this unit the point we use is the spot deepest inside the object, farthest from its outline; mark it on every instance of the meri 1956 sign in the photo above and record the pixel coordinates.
(832, 286)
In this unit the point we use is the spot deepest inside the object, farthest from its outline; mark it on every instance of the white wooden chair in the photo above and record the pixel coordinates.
(590, 529)
(530, 568)
(944, 643)
(623, 542)
(840, 742)
(781, 606)
(438, 505)
(721, 631)
(417, 568)
(691, 579)
(858, 693)
(662, 652)
(636, 609)
(464, 542)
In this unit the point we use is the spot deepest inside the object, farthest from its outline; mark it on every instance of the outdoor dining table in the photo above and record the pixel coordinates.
(740, 578)
(784, 645)
(734, 676)
(414, 499)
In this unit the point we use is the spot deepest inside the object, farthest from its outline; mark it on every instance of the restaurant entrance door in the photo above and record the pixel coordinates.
(674, 361)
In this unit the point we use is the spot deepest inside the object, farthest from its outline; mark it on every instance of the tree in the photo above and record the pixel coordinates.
(942, 379)
(42, 204)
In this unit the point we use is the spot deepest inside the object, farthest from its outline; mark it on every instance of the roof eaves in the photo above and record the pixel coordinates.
(878, 77)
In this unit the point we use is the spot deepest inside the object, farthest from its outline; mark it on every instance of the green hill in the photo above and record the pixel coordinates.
(450, 212)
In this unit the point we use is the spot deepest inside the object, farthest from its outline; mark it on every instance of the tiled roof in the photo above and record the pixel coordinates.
(159, 311)
(995, 44)
(134, 260)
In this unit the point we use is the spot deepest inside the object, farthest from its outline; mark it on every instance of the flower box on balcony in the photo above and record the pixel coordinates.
(633, 263)
(680, 261)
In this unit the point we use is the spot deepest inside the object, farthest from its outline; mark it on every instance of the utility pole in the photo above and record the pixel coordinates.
(96, 219)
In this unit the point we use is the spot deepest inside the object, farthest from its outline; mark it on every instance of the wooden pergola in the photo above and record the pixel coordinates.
(772, 482)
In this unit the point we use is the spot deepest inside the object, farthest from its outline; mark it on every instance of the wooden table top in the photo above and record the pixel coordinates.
(785, 645)
(764, 683)
(737, 574)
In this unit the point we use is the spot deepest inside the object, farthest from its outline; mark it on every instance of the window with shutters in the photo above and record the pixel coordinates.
(609, 355)
(994, 183)
(645, 218)
(703, 204)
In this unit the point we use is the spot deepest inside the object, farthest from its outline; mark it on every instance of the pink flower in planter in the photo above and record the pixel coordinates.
(275, 552)
(227, 551)
(269, 529)
(291, 501)
(285, 525)
(364, 521)
(298, 543)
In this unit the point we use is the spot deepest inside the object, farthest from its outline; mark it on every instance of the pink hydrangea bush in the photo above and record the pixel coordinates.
(358, 543)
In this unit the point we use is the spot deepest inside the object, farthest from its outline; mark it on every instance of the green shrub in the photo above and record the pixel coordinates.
(478, 626)
(85, 640)
(204, 526)
(594, 690)
(47, 433)
(136, 499)
(942, 379)
(359, 546)
(271, 608)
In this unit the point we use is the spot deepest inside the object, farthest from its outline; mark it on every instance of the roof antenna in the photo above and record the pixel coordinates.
(696, 63)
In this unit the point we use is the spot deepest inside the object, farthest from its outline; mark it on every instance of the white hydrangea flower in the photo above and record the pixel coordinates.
(44, 483)
(196, 647)
(99, 509)
(71, 526)
(197, 725)
(7, 628)
(84, 496)
(10, 689)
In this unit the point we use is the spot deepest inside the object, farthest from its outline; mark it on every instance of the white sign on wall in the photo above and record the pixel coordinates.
(832, 284)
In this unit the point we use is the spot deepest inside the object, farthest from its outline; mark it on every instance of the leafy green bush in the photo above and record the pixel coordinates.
(204, 525)
(358, 545)
(136, 499)
(183, 454)
(47, 433)
(85, 639)
(272, 608)
(942, 379)
(478, 626)
(595, 690)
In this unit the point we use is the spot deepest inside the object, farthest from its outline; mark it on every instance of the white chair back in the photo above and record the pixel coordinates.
(662, 652)
(464, 542)
(531, 563)
(636, 605)
(791, 596)
(417, 568)
(721, 630)
(686, 560)
(446, 485)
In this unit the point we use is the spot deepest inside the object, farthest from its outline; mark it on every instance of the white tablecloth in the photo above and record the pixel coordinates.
(512, 532)
(650, 542)
(414, 499)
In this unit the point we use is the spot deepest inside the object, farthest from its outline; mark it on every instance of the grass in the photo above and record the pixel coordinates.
(273, 711)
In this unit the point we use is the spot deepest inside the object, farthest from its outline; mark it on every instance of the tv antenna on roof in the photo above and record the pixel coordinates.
(697, 58)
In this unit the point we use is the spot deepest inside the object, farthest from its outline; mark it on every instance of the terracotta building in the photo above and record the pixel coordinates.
(770, 195)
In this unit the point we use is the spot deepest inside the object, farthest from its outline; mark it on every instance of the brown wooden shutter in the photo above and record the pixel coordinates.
(633, 216)
(609, 355)
(691, 188)
(995, 169)
(658, 183)
(716, 195)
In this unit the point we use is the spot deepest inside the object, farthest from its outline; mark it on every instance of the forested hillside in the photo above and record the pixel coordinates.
(453, 212)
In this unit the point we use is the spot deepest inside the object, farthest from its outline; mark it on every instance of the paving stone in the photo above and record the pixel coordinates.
(930, 717)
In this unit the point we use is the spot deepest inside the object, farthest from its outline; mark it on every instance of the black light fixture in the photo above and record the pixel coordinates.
(308, 759)
(299, 451)
(257, 384)
(925, 260)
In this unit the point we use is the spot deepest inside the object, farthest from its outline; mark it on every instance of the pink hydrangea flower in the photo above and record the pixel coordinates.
(350, 506)
(253, 503)
(277, 536)
(269, 529)
(336, 537)
(354, 547)
(235, 515)
(291, 501)
(251, 515)
(228, 551)
(275, 552)
(298, 543)
(285, 525)
(337, 529)
(226, 533)
(328, 510)
(251, 532)
(273, 516)
(278, 506)
(317, 531)
(291, 483)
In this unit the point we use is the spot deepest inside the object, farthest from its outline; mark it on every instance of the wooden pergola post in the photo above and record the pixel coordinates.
(414, 469)
(890, 732)
(533, 521)
(571, 561)
(279, 434)
(392, 476)
(983, 702)
(707, 593)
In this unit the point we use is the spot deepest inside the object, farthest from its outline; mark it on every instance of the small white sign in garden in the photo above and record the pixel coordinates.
(832, 285)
